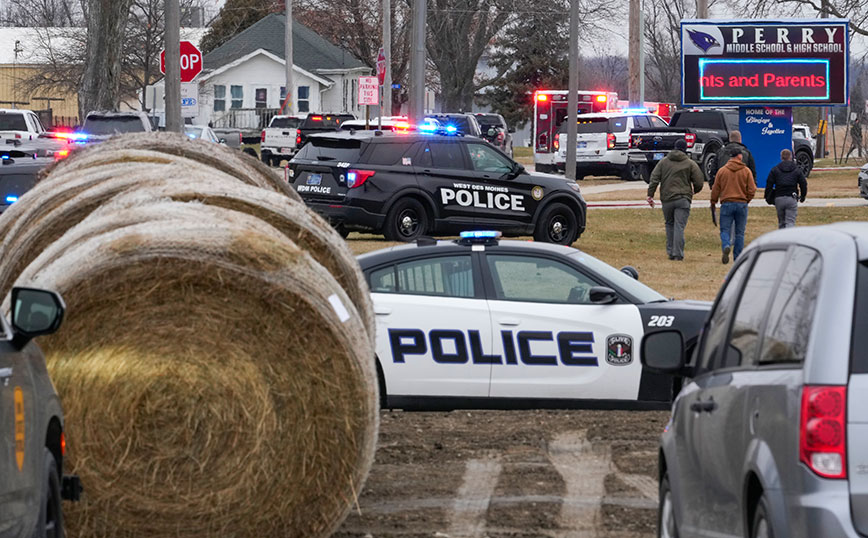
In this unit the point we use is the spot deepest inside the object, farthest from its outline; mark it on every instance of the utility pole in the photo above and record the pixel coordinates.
(289, 104)
(701, 9)
(573, 97)
(417, 62)
(173, 67)
(635, 46)
(641, 54)
(820, 151)
(386, 109)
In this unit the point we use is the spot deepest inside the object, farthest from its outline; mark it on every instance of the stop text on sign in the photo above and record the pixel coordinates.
(763, 80)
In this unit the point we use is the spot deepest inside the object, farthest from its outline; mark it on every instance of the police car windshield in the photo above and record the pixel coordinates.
(331, 149)
(639, 291)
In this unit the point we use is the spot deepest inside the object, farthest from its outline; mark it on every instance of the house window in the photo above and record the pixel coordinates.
(282, 94)
(219, 98)
(237, 96)
(303, 99)
(261, 98)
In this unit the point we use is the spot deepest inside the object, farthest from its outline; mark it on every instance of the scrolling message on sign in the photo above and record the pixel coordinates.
(764, 80)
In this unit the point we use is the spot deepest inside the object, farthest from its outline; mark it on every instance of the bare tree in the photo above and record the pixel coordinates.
(44, 13)
(855, 10)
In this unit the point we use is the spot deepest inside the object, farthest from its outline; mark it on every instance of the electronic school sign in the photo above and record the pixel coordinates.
(747, 62)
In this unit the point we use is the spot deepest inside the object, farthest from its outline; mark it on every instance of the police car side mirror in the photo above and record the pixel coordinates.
(35, 312)
(517, 170)
(602, 295)
(663, 351)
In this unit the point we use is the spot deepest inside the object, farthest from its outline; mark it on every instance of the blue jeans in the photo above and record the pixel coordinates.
(733, 213)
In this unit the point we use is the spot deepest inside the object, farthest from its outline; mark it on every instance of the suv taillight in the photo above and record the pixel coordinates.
(262, 136)
(356, 178)
(690, 138)
(610, 141)
(556, 143)
(298, 140)
(822, 430)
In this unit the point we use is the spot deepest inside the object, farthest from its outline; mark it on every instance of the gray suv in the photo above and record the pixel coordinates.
(769, 435)
(32, 444)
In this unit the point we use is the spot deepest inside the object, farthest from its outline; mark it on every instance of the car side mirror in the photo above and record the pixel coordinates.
(517, 170)
(602, 295)
(35, 312)
(663, 351)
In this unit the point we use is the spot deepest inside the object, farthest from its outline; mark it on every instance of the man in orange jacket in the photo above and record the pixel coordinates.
(735, 188)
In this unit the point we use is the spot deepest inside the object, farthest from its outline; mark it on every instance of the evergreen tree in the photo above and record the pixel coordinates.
(236, 16)
(534, 53)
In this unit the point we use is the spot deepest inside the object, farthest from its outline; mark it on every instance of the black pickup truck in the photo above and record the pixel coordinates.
(706, 131)
(319, 123)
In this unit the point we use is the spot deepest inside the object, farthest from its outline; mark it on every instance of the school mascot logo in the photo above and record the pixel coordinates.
(702, 40)
(619, 350)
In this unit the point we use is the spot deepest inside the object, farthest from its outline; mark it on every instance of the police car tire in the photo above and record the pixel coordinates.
(553, 214)
(50, 522)
(406, 208)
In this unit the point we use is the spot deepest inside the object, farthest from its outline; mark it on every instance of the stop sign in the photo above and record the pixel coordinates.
(191, 61)
(381, 67)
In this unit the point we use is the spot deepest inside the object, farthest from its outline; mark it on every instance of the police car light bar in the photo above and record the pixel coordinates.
(11, 199)
(451, 129)
(640, 110)
(479, 237)
(427, 127)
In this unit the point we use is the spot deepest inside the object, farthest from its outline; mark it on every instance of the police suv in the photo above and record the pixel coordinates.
(32, 443)
(483, 323)
(408, 185)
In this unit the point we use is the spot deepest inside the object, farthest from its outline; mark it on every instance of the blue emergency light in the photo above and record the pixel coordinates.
(5, 157)
(451, 129)
(479, 237)
(640, 110)
(11, 199)
(427, 127)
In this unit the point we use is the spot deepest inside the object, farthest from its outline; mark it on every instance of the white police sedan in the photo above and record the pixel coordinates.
(484, 323)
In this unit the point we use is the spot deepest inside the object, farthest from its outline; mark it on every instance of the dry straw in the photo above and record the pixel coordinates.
(217, 378)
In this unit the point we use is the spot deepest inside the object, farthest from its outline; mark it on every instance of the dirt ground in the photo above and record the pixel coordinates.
(508, 474)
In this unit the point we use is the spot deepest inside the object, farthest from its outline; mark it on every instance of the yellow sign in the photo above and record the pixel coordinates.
(821, 128)
(19, 427)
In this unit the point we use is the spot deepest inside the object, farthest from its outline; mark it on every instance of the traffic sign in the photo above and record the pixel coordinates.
(381, 66)
(191, 61)
(369, 90)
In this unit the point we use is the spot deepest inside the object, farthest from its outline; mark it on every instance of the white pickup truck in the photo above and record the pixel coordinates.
(279, 139)
(18, 124)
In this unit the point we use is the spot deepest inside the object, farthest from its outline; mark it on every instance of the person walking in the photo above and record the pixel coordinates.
(786, 186)
(726, 151)
(735, 188)
(679, 179)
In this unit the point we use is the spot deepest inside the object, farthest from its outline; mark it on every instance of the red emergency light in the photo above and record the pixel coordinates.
(601, 98)
(542, 97)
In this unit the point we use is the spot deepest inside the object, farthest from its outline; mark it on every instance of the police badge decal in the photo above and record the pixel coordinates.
(619, 350)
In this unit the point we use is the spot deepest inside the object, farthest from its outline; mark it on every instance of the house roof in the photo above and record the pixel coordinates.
(310, 51)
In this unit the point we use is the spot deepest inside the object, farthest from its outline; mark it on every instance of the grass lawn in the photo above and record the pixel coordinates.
(637, 237)
(832, 184)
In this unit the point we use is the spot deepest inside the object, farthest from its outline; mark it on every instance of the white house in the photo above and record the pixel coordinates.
(243, 80)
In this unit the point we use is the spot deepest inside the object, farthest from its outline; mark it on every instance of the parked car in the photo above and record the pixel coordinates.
(32, 444)
(18, 124)
(414, 184)
(202, 132)
(803, 131)
(99, 126)
(602, 143)
(319, 123)
(465, 124)
(863, 181)
(22, 162)
(278, 140)
(232, 137)
(455, 322)
(495, 131)
(769, 435)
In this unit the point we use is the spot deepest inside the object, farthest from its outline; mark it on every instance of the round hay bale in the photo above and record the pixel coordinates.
(223, 158)
(216, 380)
(46, 222)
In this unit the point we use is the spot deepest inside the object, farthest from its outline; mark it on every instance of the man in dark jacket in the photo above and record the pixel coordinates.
(785, 184)
(679, 179)
(724, 154)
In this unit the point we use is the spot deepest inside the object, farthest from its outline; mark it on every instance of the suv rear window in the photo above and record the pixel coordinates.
(488, 120)
(597, 125)
(859, 353)
(109, 125)
(285, 123)
(331, 149)
(12, 122)
(320, 121)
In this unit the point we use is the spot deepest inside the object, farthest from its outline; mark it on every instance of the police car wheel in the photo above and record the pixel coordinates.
(50, 522)
(805, 161)
(406, 221)
(557, 225)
